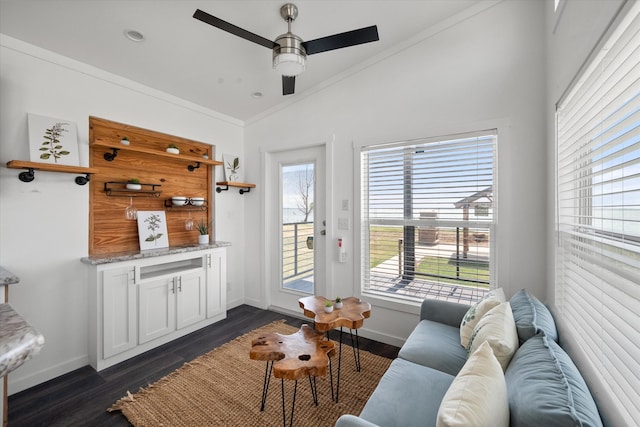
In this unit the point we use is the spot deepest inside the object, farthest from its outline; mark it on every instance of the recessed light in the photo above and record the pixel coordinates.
(256, 95)
(133, 35)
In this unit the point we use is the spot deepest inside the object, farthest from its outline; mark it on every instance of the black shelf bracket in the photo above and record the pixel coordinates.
(244, 190)
(191, 168)
(220, 189)
(109, 157)
(82, 180)
(27, 176)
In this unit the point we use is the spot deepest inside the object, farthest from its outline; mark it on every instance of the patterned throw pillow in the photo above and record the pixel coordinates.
(473, 315)
(498, 328)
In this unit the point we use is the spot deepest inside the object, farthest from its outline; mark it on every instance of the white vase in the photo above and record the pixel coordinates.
(132, 186)
(328, 309)
(203, 239)
(173, 150)
(124, 141)
(338, 305)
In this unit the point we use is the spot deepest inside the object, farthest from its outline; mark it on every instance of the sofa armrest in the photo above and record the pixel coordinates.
(353, 421)
(446, 312)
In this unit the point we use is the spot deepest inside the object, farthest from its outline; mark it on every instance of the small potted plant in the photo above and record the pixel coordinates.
(328, 306)
(173, 149)
(134, 184)
(338, 303)
(203, 229)
(124, 141)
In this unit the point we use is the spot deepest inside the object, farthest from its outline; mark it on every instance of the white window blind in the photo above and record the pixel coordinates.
(428, 214)
(598, 214)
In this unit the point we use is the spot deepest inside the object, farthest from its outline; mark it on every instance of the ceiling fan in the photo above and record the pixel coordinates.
(289, 51)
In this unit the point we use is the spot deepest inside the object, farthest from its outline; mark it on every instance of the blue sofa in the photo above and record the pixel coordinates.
(544, 387)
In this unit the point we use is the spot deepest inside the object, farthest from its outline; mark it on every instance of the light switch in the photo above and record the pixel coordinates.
(343, 223)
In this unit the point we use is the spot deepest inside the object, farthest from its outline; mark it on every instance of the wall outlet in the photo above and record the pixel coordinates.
(345, 205)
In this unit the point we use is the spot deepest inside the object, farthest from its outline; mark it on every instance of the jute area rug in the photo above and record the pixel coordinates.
(224, 388)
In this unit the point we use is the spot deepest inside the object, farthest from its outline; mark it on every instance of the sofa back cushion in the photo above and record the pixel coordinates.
(532, 317)
(478, 394)
(545, 388)
(498, 328)
(476, 311)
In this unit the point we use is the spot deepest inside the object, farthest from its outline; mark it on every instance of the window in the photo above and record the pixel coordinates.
(428, 214)
(598, 214)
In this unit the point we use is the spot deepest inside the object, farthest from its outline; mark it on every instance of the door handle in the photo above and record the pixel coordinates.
(323, 232)
(310, 242)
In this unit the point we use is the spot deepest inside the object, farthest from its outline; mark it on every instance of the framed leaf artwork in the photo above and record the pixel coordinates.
(53, 140)
(152, 230)
(232, 171)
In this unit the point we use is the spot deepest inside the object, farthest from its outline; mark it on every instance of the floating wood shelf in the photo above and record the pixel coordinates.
(243, 186)
(115, 147)
(29, 174)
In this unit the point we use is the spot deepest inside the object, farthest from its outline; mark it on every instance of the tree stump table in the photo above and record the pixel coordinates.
(351, 315)
(291, 357)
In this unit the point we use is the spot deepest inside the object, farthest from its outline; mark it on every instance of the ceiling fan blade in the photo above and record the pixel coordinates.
(230, 28)
(288, 85)
(338, 41)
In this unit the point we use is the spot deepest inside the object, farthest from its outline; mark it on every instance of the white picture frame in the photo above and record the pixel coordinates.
(152, 230)
(53, 141)
(232, 168)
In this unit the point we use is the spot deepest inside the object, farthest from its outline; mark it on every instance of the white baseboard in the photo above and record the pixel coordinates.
(16, 385)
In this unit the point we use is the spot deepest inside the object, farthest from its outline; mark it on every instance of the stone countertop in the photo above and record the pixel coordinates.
(19, 342)
(7, 277)
(128, 256)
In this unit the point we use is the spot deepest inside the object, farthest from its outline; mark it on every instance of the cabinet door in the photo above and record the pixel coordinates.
(157, 308)
(119, 329)
(190, 299)
(216, 282)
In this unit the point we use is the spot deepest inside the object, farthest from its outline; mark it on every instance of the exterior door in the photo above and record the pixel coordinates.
(297, 225)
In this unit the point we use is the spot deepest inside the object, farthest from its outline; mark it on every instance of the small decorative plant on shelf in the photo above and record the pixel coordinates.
(134, 184)
(328, 306)
(338, 303)
(124, 141)
(203, 229)
(173, 149)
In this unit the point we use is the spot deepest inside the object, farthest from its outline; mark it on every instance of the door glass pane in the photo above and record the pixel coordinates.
(297, 227)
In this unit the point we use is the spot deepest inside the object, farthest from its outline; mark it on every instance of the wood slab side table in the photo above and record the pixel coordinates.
(351, 315)
(291, 357)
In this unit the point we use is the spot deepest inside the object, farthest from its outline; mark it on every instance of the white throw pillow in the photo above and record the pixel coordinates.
(478, 395)
(473, 315)
(498, 328)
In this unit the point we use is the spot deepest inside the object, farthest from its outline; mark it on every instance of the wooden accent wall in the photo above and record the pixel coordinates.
(109, 231)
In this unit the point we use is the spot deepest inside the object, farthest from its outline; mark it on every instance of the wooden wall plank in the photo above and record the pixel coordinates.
(109, 231)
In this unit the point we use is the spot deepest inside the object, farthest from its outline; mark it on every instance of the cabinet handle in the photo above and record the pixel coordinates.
(173, 285)
(132, 275)
(180, 284)
(209, 260)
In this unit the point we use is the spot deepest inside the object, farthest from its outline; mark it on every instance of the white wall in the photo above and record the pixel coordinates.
(577, 30)
(44, 224)
(476, 71)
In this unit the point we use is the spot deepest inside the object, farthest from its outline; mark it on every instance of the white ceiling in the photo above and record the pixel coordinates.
(207, 66)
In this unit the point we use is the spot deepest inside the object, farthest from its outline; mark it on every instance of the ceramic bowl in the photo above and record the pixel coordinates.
(179, 200)
(197, 201)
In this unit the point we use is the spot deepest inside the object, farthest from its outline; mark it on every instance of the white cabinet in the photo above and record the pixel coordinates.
(119, 296)
(137, 305)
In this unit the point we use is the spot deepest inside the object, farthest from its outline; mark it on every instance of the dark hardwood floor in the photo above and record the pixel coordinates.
(81, 397)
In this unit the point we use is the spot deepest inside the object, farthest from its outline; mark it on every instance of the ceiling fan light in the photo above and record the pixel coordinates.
(289, 64)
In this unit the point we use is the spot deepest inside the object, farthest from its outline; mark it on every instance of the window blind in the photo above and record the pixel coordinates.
(598, 213)
(428, 217)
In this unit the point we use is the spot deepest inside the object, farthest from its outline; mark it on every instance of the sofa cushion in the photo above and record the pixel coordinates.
(478, 395)
(473, 315)
(435, 345)
(497, 328)
(407, 395)
(532, 317)
(546, 389)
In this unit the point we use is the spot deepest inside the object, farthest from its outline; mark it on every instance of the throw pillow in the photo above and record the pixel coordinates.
(498, 328)
(532, 317)
(546, 388)
(478, 395)
(473, 315)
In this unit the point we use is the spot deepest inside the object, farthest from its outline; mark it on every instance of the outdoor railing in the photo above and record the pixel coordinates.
(297, 257)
